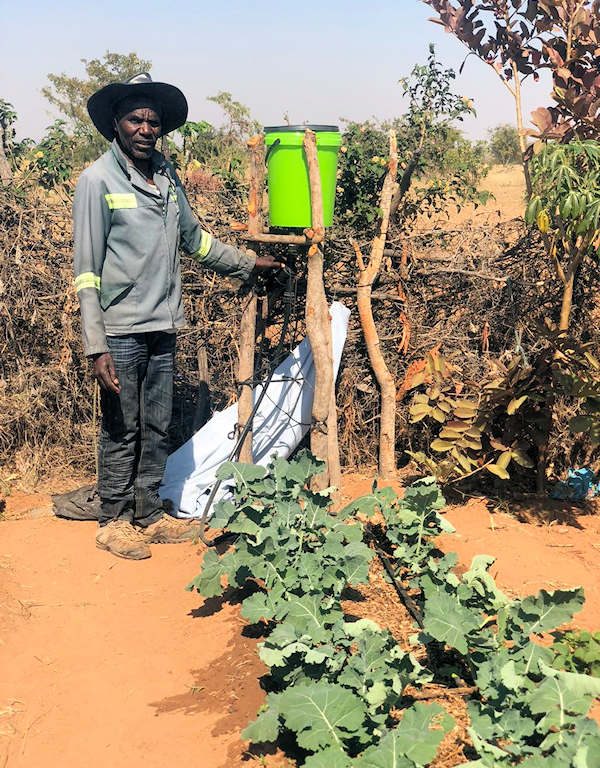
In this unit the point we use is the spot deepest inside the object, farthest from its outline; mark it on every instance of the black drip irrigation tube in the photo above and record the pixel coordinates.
(289, 297)
(405, 598)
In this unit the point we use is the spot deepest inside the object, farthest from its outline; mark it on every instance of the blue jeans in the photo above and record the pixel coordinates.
(133, 446)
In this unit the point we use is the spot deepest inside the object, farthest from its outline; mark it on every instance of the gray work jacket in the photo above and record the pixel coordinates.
(127, 236)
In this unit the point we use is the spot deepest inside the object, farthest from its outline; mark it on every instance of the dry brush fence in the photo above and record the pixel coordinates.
(476, 293)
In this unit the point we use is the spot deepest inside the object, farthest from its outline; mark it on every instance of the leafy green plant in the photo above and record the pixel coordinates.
(437, 166)
(577, 651)
(53, 156)
(525, 712)
(69, 95)
(565, 205)
(336, 680)
(504, 144)
(217, 152)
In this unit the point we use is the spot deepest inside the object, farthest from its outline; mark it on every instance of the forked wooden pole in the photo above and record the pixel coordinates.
(246, 372)
(366, 276)
(256, 145)
(248, 320)
(323, 437)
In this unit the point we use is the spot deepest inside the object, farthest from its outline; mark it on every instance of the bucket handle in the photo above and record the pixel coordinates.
(270, 149)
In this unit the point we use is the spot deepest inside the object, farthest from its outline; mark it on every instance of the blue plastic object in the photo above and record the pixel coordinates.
(579, 485)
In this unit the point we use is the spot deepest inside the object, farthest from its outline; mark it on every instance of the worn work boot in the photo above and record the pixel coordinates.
(123, 540)
(169, 530)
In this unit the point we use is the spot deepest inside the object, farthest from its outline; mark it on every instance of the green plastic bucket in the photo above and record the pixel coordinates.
(287, 173)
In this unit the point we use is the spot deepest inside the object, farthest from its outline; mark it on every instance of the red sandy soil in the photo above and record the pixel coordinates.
(108, 663)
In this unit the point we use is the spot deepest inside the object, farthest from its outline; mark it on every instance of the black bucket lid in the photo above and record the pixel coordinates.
(301, 128)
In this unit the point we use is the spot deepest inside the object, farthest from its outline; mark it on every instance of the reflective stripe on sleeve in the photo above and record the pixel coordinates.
(205, 244)
(87, 280)
(116, 200)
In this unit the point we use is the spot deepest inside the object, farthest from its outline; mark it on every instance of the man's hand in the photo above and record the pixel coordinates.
(267, 262)
(105, 374)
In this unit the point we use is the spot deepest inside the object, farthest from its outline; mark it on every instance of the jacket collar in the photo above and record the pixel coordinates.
(158, 160)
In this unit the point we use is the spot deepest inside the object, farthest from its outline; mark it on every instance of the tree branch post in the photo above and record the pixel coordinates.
(323, 437)
(246, 372)
(256, 145)
(367, 274)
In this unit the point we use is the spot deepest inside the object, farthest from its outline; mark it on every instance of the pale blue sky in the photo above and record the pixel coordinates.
(318, 61)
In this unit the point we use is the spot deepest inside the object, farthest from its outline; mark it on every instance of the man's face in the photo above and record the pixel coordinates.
(138, 131)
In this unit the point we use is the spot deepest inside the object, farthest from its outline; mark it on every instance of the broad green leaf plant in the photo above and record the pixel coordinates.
(336, 682)
(565, 205)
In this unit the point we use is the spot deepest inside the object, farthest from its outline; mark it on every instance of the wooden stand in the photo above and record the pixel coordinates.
(324, 435)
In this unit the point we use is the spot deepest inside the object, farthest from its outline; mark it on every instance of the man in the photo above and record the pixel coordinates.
(131, 216)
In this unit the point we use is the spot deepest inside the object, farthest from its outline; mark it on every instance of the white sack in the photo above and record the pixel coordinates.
(280, 424)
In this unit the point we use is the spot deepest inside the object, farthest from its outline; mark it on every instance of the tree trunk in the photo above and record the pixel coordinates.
(246, 372)
(366, 277)
(568, 288)
(318, 325)
(318, 331)
(257, 176)
(333, 447)
(521, 129)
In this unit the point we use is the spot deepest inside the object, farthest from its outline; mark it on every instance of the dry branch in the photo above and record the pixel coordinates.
(261, 237)
(365, 278)
(318, 327)
(246, 372)
(256, 145)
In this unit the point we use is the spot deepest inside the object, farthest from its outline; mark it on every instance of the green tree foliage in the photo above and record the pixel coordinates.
(7, 133)
(53, 157)
(504, 144)
(565, 204)
(219, 151)
(437, 165)
(69, 94)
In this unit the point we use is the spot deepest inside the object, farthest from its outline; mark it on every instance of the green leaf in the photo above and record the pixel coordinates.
(479, 578)
(261, 605)
(414, 741)
(322, 714)
(334, 757)
(355, 629)
(546, 610)
(308, 615)
(446, 620)
(562, 694)
(510, 678)
(208, 583)
(266, 726)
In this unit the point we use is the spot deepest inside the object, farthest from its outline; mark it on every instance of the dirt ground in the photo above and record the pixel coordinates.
(107, 662)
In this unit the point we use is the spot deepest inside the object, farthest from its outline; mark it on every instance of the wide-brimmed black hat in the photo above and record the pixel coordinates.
(173, 104)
